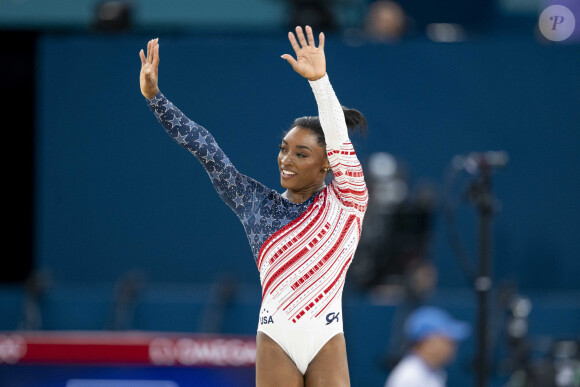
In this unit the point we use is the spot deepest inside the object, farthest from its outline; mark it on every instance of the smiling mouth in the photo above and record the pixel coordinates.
(287, 174)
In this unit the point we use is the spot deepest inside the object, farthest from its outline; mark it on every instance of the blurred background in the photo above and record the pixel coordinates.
(471, 161)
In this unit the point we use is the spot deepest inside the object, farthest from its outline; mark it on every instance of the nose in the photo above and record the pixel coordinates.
(285, 159)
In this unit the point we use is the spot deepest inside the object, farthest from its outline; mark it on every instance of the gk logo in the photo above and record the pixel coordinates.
(332, 317)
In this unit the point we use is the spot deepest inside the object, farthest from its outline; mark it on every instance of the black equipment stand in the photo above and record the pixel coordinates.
(480, 195)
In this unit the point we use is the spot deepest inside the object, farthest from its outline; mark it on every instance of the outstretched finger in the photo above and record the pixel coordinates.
(142, 56)
(301, 37)
(156, 54)
(293, 42)
(290, 60)
(310, 36)
(148, 57)
(151, 55)
(321, 41)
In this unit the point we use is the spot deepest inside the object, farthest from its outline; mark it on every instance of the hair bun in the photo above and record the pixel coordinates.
(355, 120)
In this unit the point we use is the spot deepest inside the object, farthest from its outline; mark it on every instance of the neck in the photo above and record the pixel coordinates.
(432, 360)
(302, 195)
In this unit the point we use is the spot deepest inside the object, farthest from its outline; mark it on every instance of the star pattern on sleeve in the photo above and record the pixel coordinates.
(209, 156)
(201, 140)
(175, 121)
(231, 180)
(155, 100)
(261, 210)
(168, 105)
(239, 200)
(214, 174)
(181, 138)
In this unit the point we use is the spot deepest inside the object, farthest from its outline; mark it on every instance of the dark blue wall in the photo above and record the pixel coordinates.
(114, 192)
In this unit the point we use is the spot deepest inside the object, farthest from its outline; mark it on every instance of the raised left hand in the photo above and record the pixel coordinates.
(149, 75)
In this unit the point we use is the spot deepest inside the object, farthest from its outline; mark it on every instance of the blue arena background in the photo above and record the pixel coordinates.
(114, 192)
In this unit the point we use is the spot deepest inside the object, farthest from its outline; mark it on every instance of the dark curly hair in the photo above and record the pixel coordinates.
(355, 122)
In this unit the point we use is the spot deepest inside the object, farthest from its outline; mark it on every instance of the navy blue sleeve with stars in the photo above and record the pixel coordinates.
(261, 210)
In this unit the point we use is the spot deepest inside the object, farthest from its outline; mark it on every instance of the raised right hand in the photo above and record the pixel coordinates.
(310, 61)
(149, 69)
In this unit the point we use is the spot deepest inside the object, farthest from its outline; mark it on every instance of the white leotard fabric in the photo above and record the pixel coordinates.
(303, 250)
(303, 265)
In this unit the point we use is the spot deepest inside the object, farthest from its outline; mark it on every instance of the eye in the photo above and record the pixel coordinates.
(282, 148)
(301, 155)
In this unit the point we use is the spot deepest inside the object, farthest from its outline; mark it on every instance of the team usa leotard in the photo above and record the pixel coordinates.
(302, 251)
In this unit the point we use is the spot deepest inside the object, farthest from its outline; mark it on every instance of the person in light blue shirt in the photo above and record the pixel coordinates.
(434, 337)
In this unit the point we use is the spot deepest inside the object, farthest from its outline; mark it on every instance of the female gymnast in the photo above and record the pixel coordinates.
(304, 239)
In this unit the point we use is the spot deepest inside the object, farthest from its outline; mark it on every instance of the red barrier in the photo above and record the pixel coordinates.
(151, 348)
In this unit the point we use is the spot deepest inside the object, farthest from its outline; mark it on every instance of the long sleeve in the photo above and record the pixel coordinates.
(348, 174)
(238, 191)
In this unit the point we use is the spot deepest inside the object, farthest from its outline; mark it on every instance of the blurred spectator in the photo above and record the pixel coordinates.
(385, 21)
(434, 336)
(314, 13)
(112, 16)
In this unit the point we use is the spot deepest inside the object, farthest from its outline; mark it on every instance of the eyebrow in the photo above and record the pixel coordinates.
(298, 146)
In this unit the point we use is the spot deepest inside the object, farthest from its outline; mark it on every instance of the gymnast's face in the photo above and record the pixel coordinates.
(302, 161)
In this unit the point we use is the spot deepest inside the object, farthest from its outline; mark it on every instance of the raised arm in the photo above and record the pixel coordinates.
(310, 62)
(150, 69)
(237, 190)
